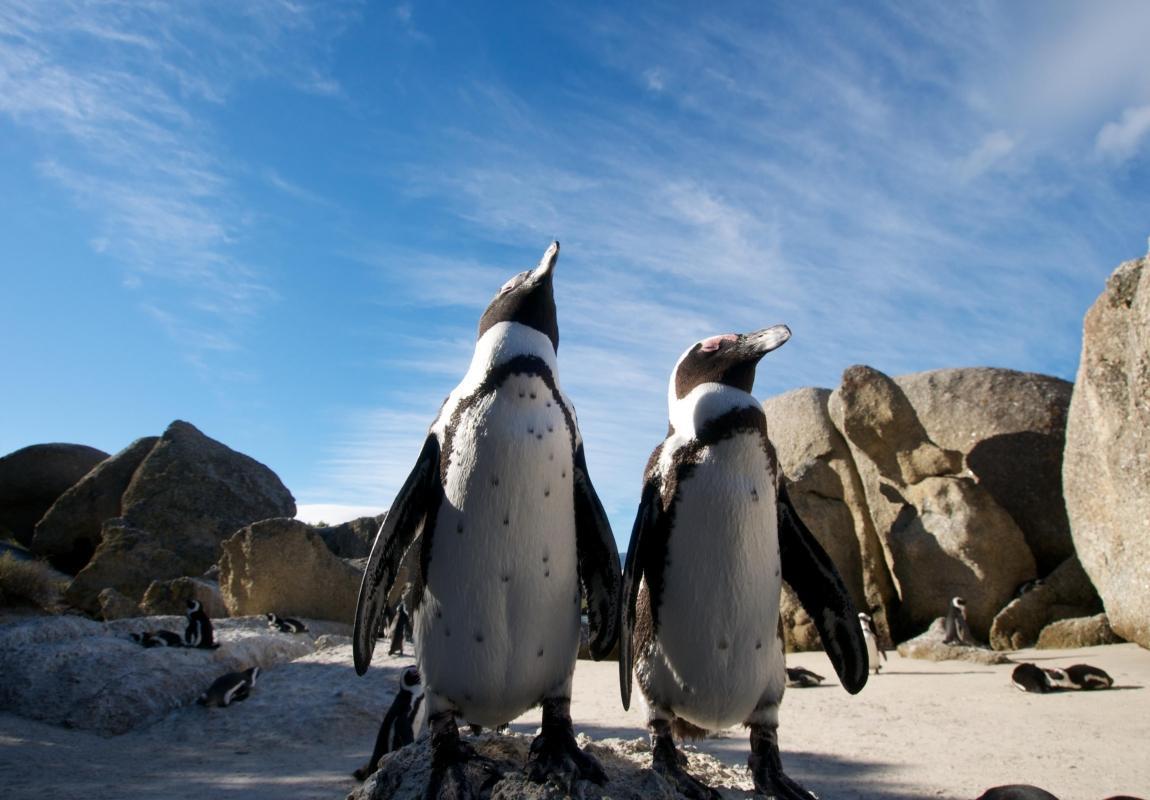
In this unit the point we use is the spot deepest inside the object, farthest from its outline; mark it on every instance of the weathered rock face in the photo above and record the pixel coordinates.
(352, 539)
(1010, 426)
(89, 675)
(942, 534)
(187, 495)
(1068, 634)
(171, 597)
(823, 485)
(33, 477)
(1106, 469)
(1063, 594)
(284, 566)
(127, 560)
(69, 532)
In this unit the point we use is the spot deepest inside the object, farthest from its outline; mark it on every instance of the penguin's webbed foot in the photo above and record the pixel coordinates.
(555, 755)
(669, 762)
(767, 768)
(455, 765)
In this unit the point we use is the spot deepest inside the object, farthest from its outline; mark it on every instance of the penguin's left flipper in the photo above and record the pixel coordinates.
(647, 520)
(421, 492)
(809, 571)
(598, 562)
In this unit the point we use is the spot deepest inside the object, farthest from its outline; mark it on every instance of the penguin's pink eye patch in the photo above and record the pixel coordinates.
(715, 342)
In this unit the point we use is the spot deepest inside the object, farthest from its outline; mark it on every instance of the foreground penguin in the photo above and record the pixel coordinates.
(508, 525)
(398, 728)
(230, 688)
(713, 540)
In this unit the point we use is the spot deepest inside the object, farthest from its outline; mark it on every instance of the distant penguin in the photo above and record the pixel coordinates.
(1016, 792)
(399, 630)
(398, 728)
(714, 538)
(199, 631)
(158, 639)
(1028, 586)
(230, 688)
(803, 678)
(511, 536)
(1084, 676)
(285, 624)
(873, 651)
(957, 629)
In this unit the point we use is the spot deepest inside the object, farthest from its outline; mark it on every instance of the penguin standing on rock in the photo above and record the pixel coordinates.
(398, 728)
(399, 630)
(873, 651)
(510, 535)
(957, 628)
(715, 536)
(199, 631)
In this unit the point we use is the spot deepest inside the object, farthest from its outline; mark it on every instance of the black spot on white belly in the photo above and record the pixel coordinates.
(533, 395)
(547, 492)
(540, 653)
(507, 520)
(546, 559)
(478, 637)
(546, 573)
(506, 578)
(495, 481)
(531, 430)
(759, 645)
(723, 645)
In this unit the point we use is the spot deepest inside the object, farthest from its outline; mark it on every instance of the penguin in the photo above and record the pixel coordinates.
(398, 728)
(803, 678)
(230, 688)
(158, 639)
(1016, 792)
(957, 629)
(1089, 678)
(285, 624)
(714, 537)
(399, 630)
(871, 635)
(511, 536)
(199, 630)
(1031, 678)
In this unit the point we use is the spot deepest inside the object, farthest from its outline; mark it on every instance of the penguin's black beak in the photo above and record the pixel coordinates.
(757, 344)
(546, 264)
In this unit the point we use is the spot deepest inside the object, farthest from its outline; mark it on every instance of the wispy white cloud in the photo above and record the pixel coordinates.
(994, 148)
(1122, 139)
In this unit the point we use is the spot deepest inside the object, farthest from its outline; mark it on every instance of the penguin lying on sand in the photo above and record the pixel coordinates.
(1043, 680)
(398, 728)
(285, 624)
(873, 651)
(1086, 677)
(230, 688)
(511, 535)
(803, 678)
(199, 631)
(157, 639)
(1016, 792)
(714, 537)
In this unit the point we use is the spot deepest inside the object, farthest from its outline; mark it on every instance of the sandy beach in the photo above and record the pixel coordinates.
(918, 730)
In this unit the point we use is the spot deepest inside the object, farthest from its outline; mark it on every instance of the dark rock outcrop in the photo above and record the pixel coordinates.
(352, 539)
(1063, 594)
(33, 477)
(1106, 470)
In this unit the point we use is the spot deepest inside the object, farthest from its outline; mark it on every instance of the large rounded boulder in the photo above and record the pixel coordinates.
(33, 477)
(1106, 468)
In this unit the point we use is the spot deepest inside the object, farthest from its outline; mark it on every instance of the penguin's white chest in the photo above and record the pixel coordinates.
(717, 646)
(498, 627)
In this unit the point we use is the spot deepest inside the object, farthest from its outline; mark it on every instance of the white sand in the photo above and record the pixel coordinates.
(918, 730)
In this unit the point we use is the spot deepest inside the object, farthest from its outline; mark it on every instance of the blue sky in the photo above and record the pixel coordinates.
(281, 220)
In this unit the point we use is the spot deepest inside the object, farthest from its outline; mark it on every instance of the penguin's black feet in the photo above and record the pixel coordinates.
(457, 771)
(555, 755)
(668, 761)
(767, 768)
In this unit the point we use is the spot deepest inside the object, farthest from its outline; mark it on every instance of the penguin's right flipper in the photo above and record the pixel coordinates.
(809, 571)
(420, 494)
(646, 521)
(598, 562)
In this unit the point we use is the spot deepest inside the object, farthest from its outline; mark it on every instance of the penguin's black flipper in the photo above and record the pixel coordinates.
(598, 562)
(420, 494)
(646, 520)
(810, 572)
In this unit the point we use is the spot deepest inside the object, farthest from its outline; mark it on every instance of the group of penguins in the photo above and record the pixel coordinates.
(507, 535)
(232, 686)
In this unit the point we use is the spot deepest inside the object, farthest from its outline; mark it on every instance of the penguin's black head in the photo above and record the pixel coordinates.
(271, 617)
(410, 678)
(529, 299)
(729, 359)
(193, 606)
